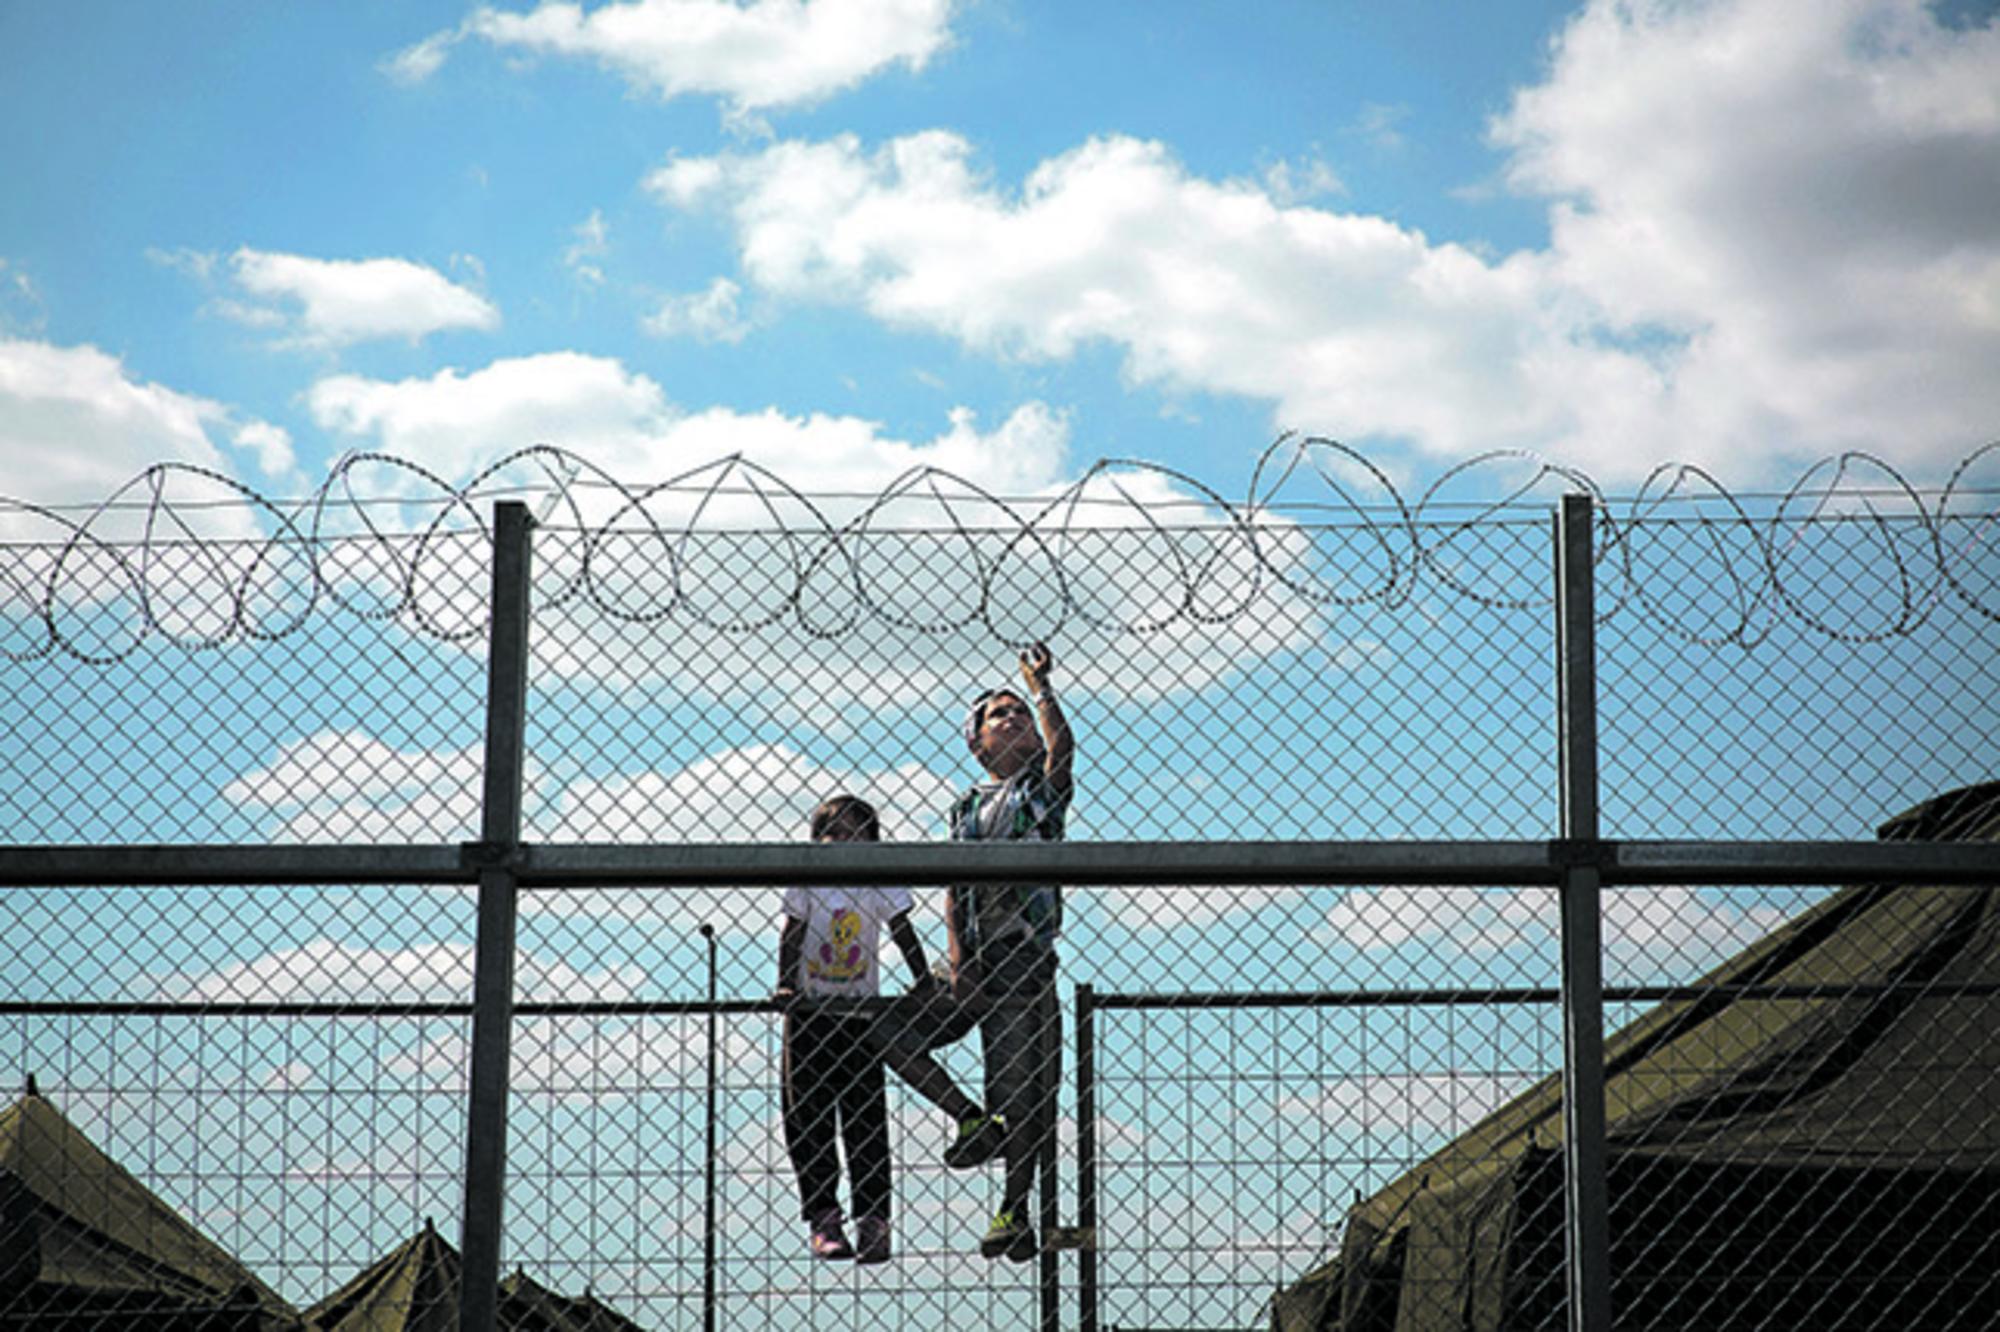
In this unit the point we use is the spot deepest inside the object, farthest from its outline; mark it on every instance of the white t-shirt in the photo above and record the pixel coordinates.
(843, 948)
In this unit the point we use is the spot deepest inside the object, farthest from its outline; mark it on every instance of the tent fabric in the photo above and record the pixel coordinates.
(599, 1317)
(526, 1302)
(1830, 1160)
(415, 1288)
(412, 1288)
(83, 1241)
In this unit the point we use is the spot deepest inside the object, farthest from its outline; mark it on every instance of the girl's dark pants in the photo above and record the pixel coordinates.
(832, 1088)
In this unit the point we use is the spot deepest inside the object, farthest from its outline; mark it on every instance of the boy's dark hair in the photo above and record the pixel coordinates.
(848, 809)
(977, 716)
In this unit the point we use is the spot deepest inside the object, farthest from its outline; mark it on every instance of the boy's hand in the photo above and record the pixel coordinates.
(1036, 663)
(783, 996)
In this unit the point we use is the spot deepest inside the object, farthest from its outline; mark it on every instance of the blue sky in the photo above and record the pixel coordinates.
(1006, 237)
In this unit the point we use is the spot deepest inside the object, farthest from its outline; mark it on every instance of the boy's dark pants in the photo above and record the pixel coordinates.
(832, 1076)
(1018, 1012)
(1014, 1009)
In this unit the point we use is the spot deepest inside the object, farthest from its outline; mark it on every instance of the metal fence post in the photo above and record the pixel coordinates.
(1586, 1201)
(493, 966)
(1048, 1075)
(709, 1308)
(1086, 1156)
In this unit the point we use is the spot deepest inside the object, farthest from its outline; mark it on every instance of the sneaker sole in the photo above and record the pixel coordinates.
(1018, 1248)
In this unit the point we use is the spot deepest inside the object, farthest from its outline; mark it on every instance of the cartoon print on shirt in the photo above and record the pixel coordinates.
(841, 959)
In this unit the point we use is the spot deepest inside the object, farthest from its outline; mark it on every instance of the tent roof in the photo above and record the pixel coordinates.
(1882, 1078)
(527, 1304)
(415, 1288)
(75, 1218)
(1873, 1077)
(412, 1288)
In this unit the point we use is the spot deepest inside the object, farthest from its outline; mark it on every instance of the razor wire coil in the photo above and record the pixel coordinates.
(286, 560)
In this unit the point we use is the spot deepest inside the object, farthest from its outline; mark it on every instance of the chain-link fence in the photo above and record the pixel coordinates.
(1314, 976)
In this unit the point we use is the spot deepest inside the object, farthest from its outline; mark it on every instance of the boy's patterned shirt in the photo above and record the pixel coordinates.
(1024, 808)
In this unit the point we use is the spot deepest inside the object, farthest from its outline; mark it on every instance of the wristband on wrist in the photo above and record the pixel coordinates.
(1045, 695)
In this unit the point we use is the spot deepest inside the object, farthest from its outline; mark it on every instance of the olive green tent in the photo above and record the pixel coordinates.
(412, 1288)
(1825, 1160)
(525, 1302)
(84, 1244)
(415, 1288)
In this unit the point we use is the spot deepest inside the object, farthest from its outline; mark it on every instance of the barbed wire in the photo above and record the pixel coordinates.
(158, 564)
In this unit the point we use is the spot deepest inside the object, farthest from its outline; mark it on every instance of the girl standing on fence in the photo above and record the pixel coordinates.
(828, 951)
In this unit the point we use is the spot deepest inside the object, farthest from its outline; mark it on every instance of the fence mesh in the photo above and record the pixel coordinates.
(1806, 696)
(1281, 1079)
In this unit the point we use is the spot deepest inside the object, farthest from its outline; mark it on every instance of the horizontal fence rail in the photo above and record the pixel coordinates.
(1190, 864)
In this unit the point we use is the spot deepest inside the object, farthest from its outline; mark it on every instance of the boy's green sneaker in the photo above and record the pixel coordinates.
(979, 1140)
(1011, 1235)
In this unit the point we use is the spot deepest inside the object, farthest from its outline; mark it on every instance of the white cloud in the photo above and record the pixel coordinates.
(75, 422)
(116, 460)
(1475, 920)
(77, 427)
(1291, 182)
(1799, 200)
(588, 1058)
(324, 970)
(990, 574)
(759, 55)
(592, 241)
(1338, 318)
(760, 792)
(417, 62)
(753, 793)
(21, 310)
(271, 444)
(336, 302)
(1181, 907)
(1377, 124)
(337, 786)
(1649, 932)
(342, 786)
(622, 421)
(706, 316)
(1397, 1103)
(1772, 239)
(592, 1059)
(197, 264)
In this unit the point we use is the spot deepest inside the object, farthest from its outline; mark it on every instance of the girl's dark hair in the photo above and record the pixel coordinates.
(851, 810)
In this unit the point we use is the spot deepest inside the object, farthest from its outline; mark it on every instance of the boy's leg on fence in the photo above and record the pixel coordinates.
(1020, 986)
(910, 1029)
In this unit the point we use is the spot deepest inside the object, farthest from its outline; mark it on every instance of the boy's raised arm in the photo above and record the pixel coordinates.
(1037, 665)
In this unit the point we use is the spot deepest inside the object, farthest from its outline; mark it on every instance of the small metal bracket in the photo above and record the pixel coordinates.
(1073, 1237)
(481, 856)
(1596, 853)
